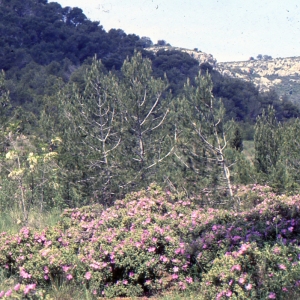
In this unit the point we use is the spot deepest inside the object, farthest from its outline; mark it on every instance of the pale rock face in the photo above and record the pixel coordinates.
(202, 57)
(281, 74)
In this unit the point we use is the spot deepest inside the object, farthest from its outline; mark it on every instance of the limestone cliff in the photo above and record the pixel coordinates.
(281, 74)
(202, 57)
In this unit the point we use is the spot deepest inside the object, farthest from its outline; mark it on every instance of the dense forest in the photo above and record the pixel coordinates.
(89, 116)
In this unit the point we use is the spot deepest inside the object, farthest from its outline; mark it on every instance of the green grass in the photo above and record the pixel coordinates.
(11, 220)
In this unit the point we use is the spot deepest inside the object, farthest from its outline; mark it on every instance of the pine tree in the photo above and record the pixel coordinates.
(237, 141)
(60, 133)
(98, 117)
(267, 140)
(290, 152)
(148, 138)
(204, 122)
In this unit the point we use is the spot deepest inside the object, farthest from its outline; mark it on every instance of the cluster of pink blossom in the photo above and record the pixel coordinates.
(152, 240)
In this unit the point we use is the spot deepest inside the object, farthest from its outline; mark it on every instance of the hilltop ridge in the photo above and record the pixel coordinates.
(280, 74)
(200, 56)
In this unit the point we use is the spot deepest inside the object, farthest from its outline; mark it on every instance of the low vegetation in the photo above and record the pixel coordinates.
(153, 242)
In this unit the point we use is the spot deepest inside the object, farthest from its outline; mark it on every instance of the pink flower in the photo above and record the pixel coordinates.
(2, 294)
(182, 285)
(272, 295)
(163, 258)
(66, 268)
(242, 280)
(290, 229)
(184, 267)
(32, 286)
(229, 293)
(214, 228)
(151, 249)
(69, 277)
(28, 288)
(24, 274)
(168, 238)
(236, 267)
(175, 269)
(8, 293)
(174, 276)
(95, 265)
(178, 251)
(125, 282)
(88, 275)
(243, 249)
(46, 277)
(131, 274)
(282, 267)
(189, 280)
(17, 287)
(248, 286)
(285, 289)
(220, 295)
(45, 252)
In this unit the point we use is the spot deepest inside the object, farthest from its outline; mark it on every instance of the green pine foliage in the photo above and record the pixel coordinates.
(276, 152)
(267, 140)
(205, 126)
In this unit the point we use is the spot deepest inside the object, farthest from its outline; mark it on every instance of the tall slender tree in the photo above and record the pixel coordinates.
(267, 140)
(97, 115)
(204, 121)
(148, 138)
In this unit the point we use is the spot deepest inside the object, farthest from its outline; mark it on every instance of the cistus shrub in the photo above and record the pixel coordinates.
(254, 273)
(136, 247)
(153, 241)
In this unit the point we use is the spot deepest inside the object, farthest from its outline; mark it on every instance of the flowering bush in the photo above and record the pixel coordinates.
(135, 247)
(253, 273)
(153, 241)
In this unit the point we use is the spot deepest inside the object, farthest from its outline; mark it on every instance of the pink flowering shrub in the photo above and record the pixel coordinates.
(275, 220)
(254, 273)
(251, 195)
(153, 241)
(136, 247)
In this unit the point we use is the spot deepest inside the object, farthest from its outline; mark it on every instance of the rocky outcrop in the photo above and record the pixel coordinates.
(280, 74)
(202, 57)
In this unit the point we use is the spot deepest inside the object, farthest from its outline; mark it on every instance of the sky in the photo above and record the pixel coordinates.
(230, 30)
